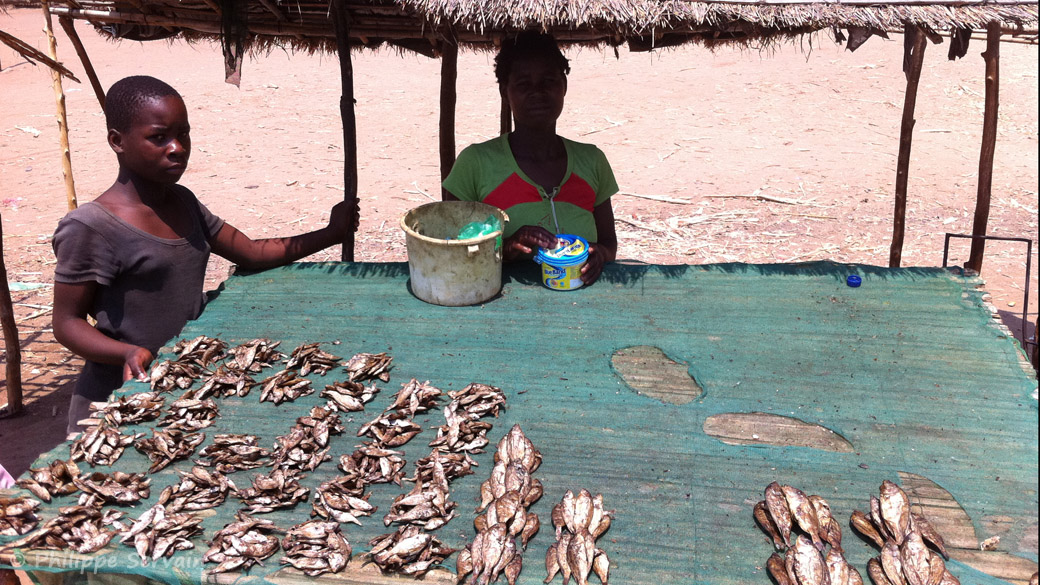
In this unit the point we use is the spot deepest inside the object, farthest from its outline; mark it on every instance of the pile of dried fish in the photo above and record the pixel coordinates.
(308, 358)
(101, 444)
(254, 356)
(167, 446)
(223, 382)
(455, 465)
(280, 489)
(202, 351)
(349, 396)
(369, 366)
(374, 464)
(84, 529)
(505, 496)
(427, 505)
(316, 547)
(189, 414)
(130, 409)
(461, 434)
(478, 400)
(902, 536)
(158, 533)
(285, 385)
(231, 453)
(168, 375)
(342, 499)
(17, 515)
(409, 551)
(391, 428)
(416, 397)
(242, 544)
(306, 445)
(579, 521)
(787, 512)
(198, 489)
(55, 479)
(113, 488)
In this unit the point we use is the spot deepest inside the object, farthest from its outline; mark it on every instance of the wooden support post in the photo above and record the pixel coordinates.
(506, 123)
(63, 120)
(70, 29)
(906, 136)
(449, 95)
(989, 143)
(341, 19)
(12, 345)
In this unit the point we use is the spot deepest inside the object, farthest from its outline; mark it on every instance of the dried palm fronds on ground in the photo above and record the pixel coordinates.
(285, 385)
(349, 396)
(427, 505)
(130, 409)
(223, 382)
(113, 488)
(17, 515)
(368, 366)
(198, 489)
(167, 446)
(188, 414)
(309, 358)
(53, 480)
(101, 444)
(342, 499)
(241, 544)
(390, 429)
(374, 464)
(280, 489)
(415, 397)
(316, 547)
(579, 521)
(409, 551)
(254, 356)
(158, 533)
(230, 453)
(202, 351)
(84, 529)
(169, 375)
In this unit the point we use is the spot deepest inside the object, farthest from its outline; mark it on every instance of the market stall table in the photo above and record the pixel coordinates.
(678, 392)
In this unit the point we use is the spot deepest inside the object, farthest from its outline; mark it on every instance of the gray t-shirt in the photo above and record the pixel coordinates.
(148, 287)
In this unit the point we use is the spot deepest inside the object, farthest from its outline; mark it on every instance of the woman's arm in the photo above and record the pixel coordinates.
(605, 249)
(71, 329)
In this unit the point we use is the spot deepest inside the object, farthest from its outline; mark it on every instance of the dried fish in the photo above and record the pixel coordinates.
(85, 529)
(279, 489)
(349, 396)
(408, 551)
(374, 464)
(17, 515)
(391, 428)
(492, 553)
(342, 499)
(478, 400)
(455, 465)
(130, 409)
(416, 397)
(202, 351)
(309, 358)
(158, 533)
(53, 480)
(427, 505)
(305, 446)
(253, 356)
(242, 544)
(167, 446)
(169, 375)
(285, 385)
(198, 489)
(231, 453)
(316, 547)
(101, 444)
(189, 414)
(113, 488)
(368, 366)
(461, 433)
(224, 382)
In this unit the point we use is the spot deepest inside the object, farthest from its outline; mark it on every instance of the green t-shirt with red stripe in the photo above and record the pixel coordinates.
(488, 172)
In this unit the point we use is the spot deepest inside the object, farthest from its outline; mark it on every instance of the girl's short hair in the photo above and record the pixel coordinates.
(127, 96)
(529, 45)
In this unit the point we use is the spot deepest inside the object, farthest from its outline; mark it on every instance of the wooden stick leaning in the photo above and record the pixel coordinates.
(11, 343)
(63, 120)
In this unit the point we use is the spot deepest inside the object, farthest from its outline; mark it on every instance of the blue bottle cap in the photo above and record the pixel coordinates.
(853, 280)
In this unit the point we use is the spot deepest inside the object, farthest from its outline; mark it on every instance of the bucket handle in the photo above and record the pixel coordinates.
(472, 250)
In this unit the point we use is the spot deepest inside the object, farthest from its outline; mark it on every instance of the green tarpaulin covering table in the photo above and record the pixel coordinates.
(678, 392)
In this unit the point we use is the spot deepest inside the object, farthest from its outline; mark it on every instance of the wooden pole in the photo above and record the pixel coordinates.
(989, 143)
(449, 96)
(341, 19)
(70, 29)
(63, 121)
(906, 136)
(12, 346)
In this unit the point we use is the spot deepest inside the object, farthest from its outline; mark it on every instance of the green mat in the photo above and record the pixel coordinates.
(909, 368)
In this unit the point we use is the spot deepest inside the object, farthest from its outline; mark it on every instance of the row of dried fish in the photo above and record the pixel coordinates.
(316, 547)
(408, 551)
(198, 489)
(167, 446)
(279, 489)
(242, 544)
(158, 533)
(190, 414)
(306, 445)
(101, 444)
(17, 515)
(84, 529)
(113, 488)
(130, 409)
(55, 479)
(579, 521)
(231, 452)
(428, 504)
(342, 499)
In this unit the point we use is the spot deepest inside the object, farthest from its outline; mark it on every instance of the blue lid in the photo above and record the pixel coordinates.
(853, 280)
(574, 252)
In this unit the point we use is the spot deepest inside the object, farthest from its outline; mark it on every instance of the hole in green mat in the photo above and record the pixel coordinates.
(647, 370)
(759, 428)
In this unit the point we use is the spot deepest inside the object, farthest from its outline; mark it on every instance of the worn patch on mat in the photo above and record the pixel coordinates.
(647, 370)
(751, 428)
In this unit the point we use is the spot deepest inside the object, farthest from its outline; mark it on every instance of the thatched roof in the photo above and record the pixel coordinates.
(423, 25)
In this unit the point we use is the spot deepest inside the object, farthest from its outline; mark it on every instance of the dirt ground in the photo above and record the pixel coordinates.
(773, 154)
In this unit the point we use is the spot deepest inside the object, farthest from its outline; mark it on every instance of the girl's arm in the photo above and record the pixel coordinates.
(605, 249)
(71, 329)
(261, 254)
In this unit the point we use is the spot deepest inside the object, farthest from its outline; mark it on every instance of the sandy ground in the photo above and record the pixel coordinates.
(781, 154)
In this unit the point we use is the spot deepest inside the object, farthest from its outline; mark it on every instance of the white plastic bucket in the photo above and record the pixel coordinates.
(452, 272)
